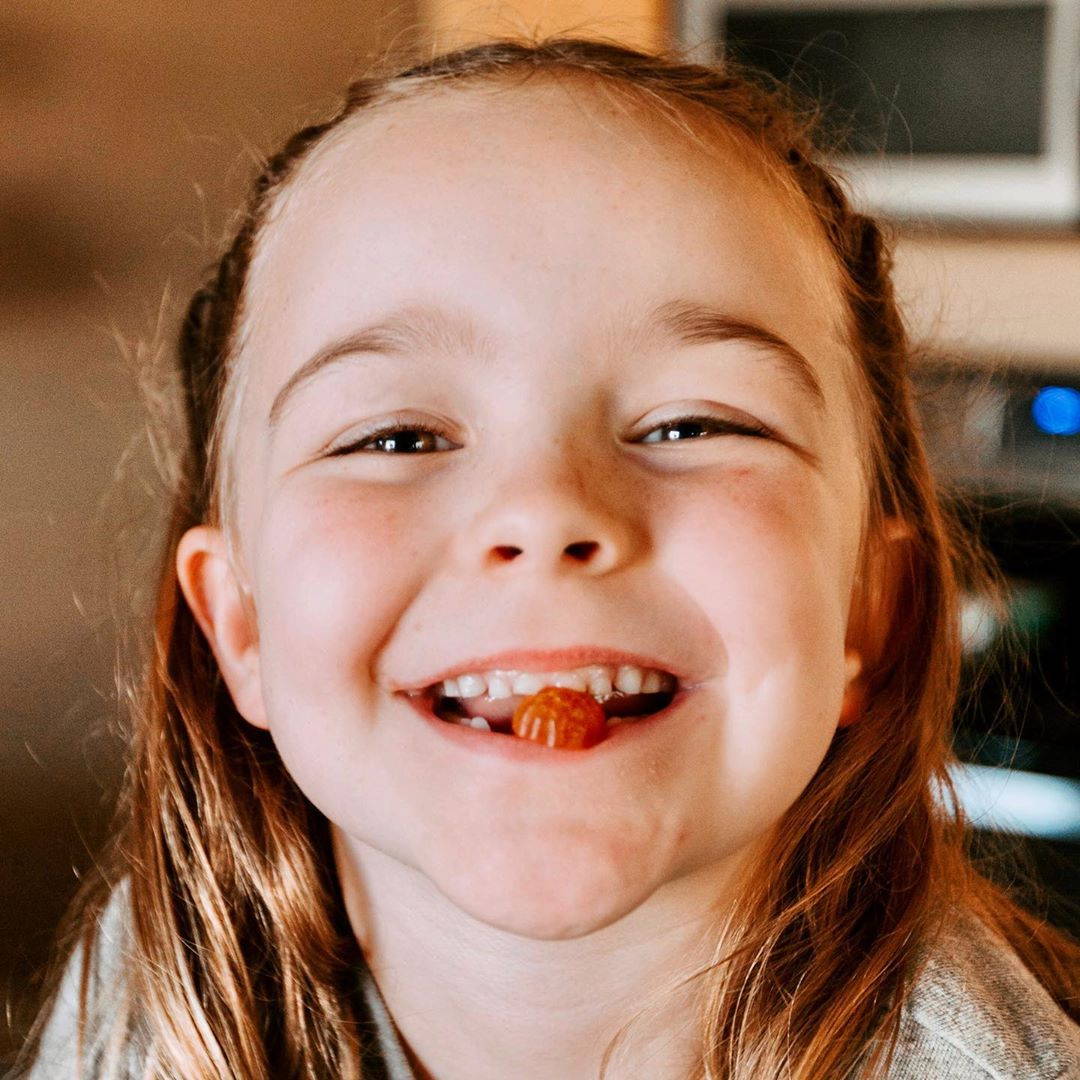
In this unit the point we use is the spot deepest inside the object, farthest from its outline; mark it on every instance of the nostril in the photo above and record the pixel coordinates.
(582, 549)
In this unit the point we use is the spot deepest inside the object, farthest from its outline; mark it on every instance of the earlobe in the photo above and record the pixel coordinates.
(875, 600)
(214, 596)
(854, 698)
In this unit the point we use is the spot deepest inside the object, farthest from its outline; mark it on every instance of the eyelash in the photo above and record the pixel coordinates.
(729, 427)
(382, 432)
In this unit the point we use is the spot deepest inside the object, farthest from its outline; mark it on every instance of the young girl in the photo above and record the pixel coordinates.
(552, 364)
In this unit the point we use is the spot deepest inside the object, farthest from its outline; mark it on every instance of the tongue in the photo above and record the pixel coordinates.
(491, 708)
(618, 704)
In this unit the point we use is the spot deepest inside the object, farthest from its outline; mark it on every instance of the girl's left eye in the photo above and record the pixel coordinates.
(699, 424)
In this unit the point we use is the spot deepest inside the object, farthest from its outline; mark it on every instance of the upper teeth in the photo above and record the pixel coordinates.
(596, 679)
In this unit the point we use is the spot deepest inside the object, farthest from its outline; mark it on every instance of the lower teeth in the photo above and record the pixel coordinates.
(619, 709)
(448, 710)
(477, 722)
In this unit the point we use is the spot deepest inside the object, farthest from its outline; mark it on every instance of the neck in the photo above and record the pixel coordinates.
(474, 1001)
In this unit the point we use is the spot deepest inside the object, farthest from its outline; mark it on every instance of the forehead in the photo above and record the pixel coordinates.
(558, 179)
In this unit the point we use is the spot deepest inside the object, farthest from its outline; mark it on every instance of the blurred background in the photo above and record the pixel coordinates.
(131, 132)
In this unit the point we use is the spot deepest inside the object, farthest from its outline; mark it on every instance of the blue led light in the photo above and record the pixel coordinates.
(1056, 410)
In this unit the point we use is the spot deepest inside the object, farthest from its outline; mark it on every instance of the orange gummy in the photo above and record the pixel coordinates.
(560, 717)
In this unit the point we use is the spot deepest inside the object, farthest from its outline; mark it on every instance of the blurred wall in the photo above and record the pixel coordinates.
(993, 296)
(130, 131)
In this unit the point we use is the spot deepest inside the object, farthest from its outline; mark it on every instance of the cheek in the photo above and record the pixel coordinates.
(768, 559)
(764, 550)
(337, 569)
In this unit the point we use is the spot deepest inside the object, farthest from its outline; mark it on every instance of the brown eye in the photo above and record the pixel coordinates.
(691, 428)
(395, 439)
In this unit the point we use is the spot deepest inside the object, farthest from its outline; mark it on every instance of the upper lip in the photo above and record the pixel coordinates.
(574, 656)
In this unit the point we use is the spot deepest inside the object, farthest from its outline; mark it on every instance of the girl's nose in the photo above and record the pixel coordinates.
(561, 522)
(543, 548)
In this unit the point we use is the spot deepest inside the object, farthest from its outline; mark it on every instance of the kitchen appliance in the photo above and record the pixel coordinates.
(954, 109)
(1004, 443)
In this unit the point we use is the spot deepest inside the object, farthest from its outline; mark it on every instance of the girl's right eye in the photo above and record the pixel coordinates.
(393, 439)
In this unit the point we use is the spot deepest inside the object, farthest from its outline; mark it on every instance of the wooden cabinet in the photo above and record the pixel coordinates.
(639, 23)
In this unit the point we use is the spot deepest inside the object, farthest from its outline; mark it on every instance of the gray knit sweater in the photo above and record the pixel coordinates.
(976, 1013)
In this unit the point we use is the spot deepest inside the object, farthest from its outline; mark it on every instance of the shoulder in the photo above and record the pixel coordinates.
(57, 1050)
(976, 1012)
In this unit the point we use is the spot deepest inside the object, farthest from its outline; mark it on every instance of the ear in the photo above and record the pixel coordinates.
(874, 603)
(216, 600)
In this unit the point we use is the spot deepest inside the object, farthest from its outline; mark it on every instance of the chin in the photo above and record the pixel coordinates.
(549, 891)
(540, 921)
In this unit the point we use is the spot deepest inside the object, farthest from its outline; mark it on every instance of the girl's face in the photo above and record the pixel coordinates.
(532, 250)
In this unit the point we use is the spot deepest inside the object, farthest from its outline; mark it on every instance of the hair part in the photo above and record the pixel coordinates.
(241, 958)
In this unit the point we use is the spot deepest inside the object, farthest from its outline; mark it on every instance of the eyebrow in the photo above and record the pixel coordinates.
(408, 329)
(428, 328)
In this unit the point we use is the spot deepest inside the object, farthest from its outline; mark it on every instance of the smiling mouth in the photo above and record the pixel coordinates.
(496, 714)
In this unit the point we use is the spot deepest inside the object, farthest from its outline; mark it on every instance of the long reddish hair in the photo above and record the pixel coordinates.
(241, 963)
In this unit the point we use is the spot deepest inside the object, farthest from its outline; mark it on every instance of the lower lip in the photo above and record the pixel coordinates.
(513, 748)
